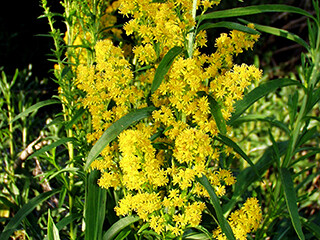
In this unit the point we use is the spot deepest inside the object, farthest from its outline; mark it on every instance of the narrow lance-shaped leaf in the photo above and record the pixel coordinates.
(115, 129)
(238, 150)
(75, 118)
(23, 212)
(291, 201)
(257, 93)
(247, 176)
(263, 118)
(223, 223)
(52, 231)
(312, 227)
(228, 25)
(215, 109)
(67, 220)
(243, 11)
(95, 207)
(51, 146)
(164, 67)
(35, 107)
(118, 226)
(281, 33)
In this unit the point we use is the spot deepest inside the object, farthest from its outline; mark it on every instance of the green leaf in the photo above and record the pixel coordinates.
(262, 118)
(51, 146)
(281, 33)
(118, 226)
(123, 234)
(115, 129)
(257, 93)
(247, 176)
(237, 149)
(67, 220)
(75, 118)
(35, 107)
(23, 212)
(275, 149)
(52, 230)
(223, 223)
(312, 227)
(215, 109)
(205, 235)
(244, 11)
(306, 135)
(95, 207)
(228, 25)
(315, 98)
(8, 203)
(69, 169)
(291, 201)
(164, 67)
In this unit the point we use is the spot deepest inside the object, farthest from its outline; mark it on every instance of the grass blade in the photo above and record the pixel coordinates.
(95, 207)
(250, 10)
(223, 223)
(258, 93)
(34, 108)
(115, 129)
(23, 212)
(118, 226)
(164, 67)
(291, 201)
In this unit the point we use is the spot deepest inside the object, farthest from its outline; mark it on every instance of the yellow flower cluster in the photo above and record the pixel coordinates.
(242, 221)
(159, 25)
(155, 163)
(109, 87)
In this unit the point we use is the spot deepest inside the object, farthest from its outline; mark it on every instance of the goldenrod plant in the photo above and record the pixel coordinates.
(148, 144)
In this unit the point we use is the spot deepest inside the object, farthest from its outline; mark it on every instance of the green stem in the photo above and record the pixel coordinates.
(66, 111)
(192, 33)
(303, 110)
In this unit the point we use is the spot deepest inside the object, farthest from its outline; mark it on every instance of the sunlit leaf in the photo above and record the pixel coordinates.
(243, 11)
(115, 129)
(281, 33)
(257, 93)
